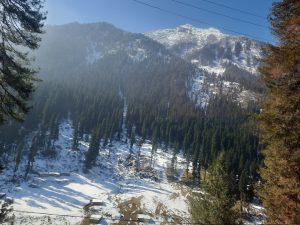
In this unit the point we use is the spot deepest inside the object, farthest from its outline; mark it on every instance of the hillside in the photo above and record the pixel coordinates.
(106, 94)
(114, 180)
(229, 62)
(210, 49)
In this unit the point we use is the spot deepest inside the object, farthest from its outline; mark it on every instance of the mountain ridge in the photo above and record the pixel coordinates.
(207, 52)
(191, 43)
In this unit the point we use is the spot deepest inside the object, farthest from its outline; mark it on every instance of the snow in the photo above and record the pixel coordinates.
(194, 39)
(218, 70)
(138, 55)
(187, 32)
(135, 51)
(111, 185)
(187, 42)
(93, 55)
(110, 182)
(196, 92)
(2, 195)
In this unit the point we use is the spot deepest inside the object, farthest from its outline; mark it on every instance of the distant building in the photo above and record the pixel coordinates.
(95, 219)
(2, 195)
(97, 202)
(144, 218)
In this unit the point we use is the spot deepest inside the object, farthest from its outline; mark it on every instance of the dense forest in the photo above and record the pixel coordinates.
(153, 93)
(109, 83)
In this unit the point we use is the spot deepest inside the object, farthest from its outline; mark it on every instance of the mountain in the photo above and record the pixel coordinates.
(229, 62)
(210, 49)
(197, 55)
(113, 102)
(137, 63)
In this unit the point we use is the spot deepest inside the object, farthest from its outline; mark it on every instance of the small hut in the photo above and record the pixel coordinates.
(144, 218)
(95, 219)
(2, 195)
(97, 202)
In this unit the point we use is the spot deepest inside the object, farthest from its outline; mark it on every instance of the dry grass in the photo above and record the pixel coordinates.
(85, 221)
(162, 212)
(174, 195)
(129, 209)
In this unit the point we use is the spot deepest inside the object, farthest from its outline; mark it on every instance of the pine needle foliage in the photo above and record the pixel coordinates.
(20, 26)
(280, 118)
(216, 205)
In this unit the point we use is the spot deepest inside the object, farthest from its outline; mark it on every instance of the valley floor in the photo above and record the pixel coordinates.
(113, 181)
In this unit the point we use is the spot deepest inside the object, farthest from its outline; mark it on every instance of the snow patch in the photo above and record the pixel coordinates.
(93, 55)
(110, 181)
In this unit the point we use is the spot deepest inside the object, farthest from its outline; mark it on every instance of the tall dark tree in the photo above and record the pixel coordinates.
(93, 151)
(20, 24)
(32, 153)
(280, 119)
(19, 151)
(215, 206)
(75, 141)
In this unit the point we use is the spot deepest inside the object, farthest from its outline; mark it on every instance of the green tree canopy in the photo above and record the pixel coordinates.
(215, 205)
(20, 24)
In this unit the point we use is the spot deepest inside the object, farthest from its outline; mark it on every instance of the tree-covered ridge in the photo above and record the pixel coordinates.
(132, 73)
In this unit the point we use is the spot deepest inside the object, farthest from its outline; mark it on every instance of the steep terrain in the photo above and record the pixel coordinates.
(106, 94)
(137, 64)
(229, 61)
(210, 49)
(205, 54)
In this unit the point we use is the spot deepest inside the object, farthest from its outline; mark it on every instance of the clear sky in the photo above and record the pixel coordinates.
(134, 17)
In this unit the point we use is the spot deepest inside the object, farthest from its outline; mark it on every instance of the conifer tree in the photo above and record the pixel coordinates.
(75, 137)
(215, 206)
(280, 118)
(243, 188)
(139, 145)
(18, 156)
(154, 145)
(32, 153)
(20, 24)
(132, 139)
(93, 151)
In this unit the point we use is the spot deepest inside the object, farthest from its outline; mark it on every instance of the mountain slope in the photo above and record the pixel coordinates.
(210, 49)
(137, 64)
(228, 64)
(107, 92)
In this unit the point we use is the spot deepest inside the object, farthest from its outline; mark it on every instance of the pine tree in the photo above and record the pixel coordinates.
(20, 24)
(154, 145)
(243, 188)
(18, 156)
(93, 151)
(32, 153)
(132, 139)
(75, 137)
(215, 206)
(139, 145)
(280, 118)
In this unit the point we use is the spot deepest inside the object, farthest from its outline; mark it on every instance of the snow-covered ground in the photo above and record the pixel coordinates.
(124, 188)
(113, 180)
(188, 41)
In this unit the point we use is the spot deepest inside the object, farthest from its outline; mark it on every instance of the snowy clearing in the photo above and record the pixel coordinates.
(113, 181)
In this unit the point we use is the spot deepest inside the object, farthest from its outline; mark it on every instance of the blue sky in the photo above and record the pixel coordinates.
(134, 17)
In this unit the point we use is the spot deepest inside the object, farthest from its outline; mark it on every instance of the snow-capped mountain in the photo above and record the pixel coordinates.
(78, 46)
(99, 80)
(226, 63)
(186, 57)
(210, 49)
